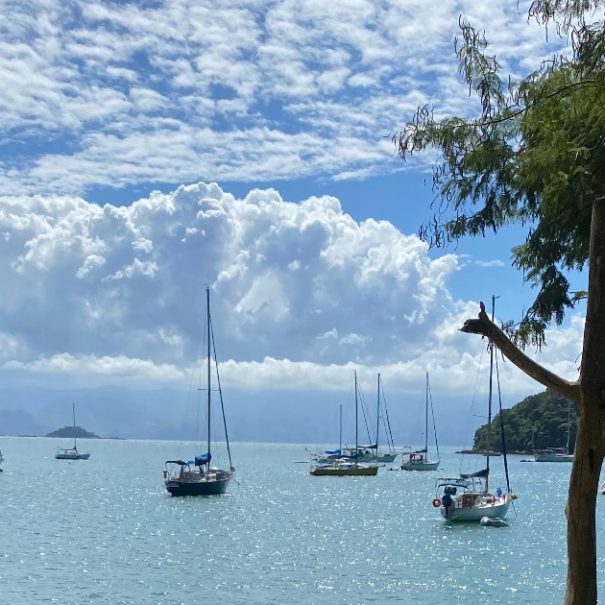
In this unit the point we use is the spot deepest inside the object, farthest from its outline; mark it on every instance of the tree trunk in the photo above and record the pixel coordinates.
(590, 447)
(581, 505)
(589, 396)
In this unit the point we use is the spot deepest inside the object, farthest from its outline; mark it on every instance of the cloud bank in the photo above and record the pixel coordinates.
(301, 295)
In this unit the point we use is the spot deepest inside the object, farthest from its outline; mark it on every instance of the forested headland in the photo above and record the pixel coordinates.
(538, 422)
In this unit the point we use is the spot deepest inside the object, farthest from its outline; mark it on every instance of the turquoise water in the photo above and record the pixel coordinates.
(104, 531)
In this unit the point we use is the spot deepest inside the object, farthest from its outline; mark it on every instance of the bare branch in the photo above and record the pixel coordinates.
(484, 326)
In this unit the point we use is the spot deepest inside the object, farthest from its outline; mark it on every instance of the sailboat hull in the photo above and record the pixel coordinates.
(372, 457)
(553, 457)
(71, 456)
(476, 512)
(344, 470)
(212, 487)
(426, 465)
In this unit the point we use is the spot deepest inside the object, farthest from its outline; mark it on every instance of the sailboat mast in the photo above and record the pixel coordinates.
(489, 405)
(73, 413)
(340, 428)
(356, 417)
(426, 417)
(208, 358)
(377, 413)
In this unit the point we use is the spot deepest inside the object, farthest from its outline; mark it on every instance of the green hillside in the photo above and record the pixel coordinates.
(537, 422)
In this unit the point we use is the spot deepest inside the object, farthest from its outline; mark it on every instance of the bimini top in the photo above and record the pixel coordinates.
(455, 481)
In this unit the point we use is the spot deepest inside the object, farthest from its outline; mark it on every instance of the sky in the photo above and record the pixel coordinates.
(151, 149)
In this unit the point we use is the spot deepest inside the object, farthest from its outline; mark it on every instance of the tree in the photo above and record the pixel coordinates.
(540, 421)
(535, 156)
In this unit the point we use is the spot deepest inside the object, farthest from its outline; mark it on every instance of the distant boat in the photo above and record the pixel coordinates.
(372, 453)
(557, 454)
(467, 497)
(72, 453)
(1, 461)
(553, 456)
(346, 466)
(197, 477)
(419, 460)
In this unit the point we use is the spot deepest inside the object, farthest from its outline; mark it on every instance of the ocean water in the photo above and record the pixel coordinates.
(104, 531)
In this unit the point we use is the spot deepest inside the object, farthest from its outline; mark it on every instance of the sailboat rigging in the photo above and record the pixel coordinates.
(371, 452)
(380, 405)
(72, 453)
(347, 465)
(419, 459)
(197, 477)
(467, 497)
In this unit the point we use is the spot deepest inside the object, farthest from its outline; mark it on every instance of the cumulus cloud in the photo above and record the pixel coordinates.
(98, 96)
(301, 294)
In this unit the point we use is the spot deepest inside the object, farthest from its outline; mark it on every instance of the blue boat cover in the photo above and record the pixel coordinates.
(333, 452)
(202, 459)
(481, 474)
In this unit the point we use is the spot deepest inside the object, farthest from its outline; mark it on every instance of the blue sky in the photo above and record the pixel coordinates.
(149, 149)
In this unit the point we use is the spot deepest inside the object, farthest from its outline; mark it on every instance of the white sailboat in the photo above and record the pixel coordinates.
(197, 477)
(468, 497)
(72, 453)
(419, 459)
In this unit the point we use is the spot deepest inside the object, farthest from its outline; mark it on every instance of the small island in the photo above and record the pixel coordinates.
(72, 432)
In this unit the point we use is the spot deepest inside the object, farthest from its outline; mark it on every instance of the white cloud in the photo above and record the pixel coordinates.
(490, 263)
(117, 293)
(111, 95)
(103, 96)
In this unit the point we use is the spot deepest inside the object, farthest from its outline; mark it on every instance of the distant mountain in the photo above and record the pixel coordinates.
(294, 416)
(71, 432)
(16, 422)
(537, 422)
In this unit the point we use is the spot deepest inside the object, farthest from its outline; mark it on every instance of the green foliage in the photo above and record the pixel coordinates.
(533, 155)
(537, 422)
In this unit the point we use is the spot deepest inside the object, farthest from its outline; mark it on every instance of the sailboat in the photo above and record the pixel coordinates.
(197, 477)
(419, 459)
(467, 497)
(557, 455)
(72, 453)
(371, 453)
(346, 466)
